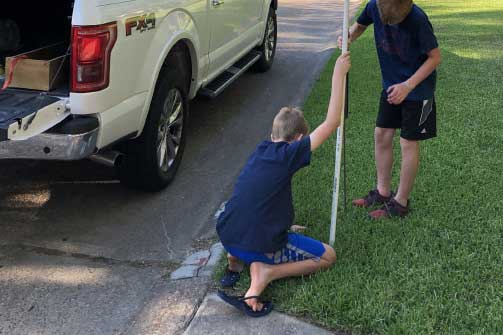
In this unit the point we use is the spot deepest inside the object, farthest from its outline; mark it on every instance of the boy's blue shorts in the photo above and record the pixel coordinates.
(298, 248)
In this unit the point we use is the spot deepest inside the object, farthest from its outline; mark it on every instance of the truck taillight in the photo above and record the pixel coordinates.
(91, 50)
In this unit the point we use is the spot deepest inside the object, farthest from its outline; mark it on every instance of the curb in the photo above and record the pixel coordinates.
(199, 264)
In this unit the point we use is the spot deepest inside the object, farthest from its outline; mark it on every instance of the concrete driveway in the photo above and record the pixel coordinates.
(80, 254)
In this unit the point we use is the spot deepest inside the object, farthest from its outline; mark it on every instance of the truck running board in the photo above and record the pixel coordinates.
(225, 79)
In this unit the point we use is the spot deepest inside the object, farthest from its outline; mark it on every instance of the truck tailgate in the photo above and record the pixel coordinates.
(25, 113)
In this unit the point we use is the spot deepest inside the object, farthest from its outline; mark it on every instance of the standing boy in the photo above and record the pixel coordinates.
(409, 55)
(254, 225)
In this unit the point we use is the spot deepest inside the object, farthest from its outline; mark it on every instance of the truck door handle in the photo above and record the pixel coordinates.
(217, 2)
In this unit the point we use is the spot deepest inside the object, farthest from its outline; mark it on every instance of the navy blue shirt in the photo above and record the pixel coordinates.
(260, 212)
(402, 48)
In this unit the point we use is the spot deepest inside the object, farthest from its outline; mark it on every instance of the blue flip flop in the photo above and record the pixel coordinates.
(230, 278)
(240, 303)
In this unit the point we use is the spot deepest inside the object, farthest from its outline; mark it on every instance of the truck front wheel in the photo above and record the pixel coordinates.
(151, 161)
(268, 47)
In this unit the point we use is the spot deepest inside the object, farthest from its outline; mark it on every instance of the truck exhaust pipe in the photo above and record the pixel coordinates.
(109, 158)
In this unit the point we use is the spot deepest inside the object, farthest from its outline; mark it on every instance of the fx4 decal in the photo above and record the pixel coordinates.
(141, 23)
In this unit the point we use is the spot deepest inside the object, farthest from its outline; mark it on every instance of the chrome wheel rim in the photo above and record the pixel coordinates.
(169, 134)
(270, 39)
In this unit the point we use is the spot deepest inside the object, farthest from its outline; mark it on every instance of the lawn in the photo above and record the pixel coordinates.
(440, 271)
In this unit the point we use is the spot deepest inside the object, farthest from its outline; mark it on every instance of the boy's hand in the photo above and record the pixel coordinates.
(398, 93)
(297, 229)
(343, 64)
(339, 42)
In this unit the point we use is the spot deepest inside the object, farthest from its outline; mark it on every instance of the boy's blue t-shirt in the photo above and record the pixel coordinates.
(403, 48)
(260, 212)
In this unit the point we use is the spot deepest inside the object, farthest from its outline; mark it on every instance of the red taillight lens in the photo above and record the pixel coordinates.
(91, 50)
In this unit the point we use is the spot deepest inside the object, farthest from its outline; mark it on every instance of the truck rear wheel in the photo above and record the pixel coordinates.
(151, 161)
(268, 46)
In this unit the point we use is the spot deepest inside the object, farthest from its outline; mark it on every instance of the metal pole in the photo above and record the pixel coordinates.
(340, 134)
(344, 170)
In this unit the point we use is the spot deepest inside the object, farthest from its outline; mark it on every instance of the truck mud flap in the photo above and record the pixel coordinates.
(24, 114)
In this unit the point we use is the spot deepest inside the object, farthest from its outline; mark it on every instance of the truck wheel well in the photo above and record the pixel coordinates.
(180, 54)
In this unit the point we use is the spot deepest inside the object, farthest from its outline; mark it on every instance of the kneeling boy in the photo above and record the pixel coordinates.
(254, 225)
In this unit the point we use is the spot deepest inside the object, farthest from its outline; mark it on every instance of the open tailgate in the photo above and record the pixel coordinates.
(24, 114)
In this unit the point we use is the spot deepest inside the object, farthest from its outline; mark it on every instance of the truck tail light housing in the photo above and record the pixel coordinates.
(91, 51)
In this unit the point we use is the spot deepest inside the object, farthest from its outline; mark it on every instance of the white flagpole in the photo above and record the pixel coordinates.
(340, 134)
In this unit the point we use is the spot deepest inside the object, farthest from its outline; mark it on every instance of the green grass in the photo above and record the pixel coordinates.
(440, 271)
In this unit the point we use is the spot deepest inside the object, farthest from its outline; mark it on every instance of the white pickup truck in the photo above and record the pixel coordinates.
(132, 67)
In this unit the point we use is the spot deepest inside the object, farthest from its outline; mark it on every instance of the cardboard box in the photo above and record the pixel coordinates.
(42, 69)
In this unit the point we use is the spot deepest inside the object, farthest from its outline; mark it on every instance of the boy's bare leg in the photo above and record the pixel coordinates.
(235, 264)
(262, 274)
(384, 159)
(408, 172)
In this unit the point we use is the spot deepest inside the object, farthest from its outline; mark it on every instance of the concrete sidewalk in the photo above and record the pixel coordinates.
(216, 317)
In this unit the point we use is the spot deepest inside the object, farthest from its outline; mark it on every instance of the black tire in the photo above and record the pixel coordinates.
(268, 46)
(141, 166)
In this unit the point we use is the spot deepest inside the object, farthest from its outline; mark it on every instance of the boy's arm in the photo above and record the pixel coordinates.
(399, 92)
(333, 118)
(355, 31)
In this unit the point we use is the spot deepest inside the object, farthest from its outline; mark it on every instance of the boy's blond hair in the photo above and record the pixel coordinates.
(288, 124)
(394, 11)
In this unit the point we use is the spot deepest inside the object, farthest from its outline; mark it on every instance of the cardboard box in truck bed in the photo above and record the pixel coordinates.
(43, 69)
